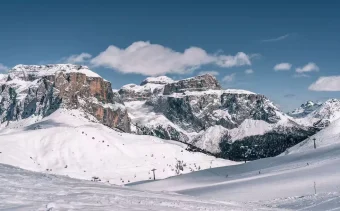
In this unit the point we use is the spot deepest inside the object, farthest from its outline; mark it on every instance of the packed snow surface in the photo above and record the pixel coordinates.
(25, 190)
(72, 143)
(283, 181)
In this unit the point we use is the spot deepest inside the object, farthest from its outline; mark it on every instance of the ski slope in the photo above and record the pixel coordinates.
(328, 136)
(284, 181)
(70, 142)
(25, 190)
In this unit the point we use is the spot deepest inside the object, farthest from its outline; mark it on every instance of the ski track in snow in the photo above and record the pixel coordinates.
(282, 182)
(25, 190)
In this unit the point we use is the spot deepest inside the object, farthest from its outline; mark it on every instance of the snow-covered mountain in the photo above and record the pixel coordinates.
(199, 112)
(48, 105)
(65, 119)
(327, 136)
(305, 109)
(42, 89)
(74, 143)
(317, 114)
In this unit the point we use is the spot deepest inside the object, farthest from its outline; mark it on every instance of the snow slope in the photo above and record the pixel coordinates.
(284, 181)
(328, 136)
(69, 142)
(25, 190)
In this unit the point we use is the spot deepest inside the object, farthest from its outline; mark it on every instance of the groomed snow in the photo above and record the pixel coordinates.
(25, 190)
(67, 143)
(328, 136)
(284, 181)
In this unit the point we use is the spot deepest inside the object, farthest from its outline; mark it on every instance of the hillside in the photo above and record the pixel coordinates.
(73, 143)
(25, 190)
(281, 182)
(328, 136)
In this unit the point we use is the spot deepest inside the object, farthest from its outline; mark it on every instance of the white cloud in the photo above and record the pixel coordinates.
(3, 67)
(229, 78)
(310, 67)
(78, 58)
(277, 38)
(282, 67)
(153, 59)
(214, 73)
(249, 71)
(300, 75)
(330, 83)
(239, 59)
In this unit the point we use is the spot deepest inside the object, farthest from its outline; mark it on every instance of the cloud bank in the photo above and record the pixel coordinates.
(153, 59)
(330, 83)
(229, 78)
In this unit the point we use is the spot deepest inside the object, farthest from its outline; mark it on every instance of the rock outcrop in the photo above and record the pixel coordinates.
(149, 87)
(198, 83)
(199, 112)
(40, 90)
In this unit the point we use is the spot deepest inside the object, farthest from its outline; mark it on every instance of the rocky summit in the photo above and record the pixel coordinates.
(199, 112)
(41, 89)
(229, 123)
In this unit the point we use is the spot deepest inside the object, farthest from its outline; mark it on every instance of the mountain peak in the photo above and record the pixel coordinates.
(157, 80)
(29, 72)
(197, 83)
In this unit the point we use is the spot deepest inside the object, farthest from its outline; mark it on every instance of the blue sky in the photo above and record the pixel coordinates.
(226, 37)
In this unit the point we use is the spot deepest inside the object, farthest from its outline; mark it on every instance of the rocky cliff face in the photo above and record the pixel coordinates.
(198, 83)
(305, 109)
(40, 90)
(317, 114)
(149, 87)
(199, 112)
